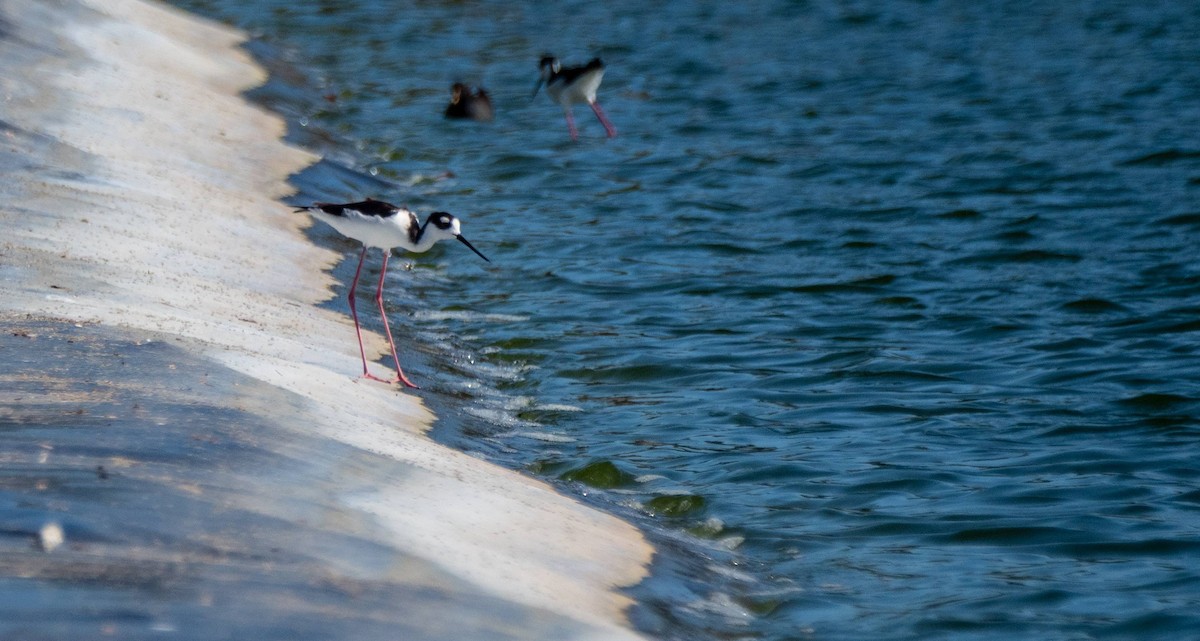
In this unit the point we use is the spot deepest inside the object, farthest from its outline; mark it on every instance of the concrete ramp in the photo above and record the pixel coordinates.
(186, 449)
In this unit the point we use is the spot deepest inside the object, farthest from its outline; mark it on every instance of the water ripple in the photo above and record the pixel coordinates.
(890, 337)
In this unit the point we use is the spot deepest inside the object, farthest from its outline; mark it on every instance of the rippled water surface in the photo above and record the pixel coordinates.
(880, 318)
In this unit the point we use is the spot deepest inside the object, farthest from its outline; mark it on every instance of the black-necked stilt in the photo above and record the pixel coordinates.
(470, 105)
(375, 223)
(572, 86)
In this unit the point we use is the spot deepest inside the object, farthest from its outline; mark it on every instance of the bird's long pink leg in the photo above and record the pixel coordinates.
(571, 124)
(400, 377)
(612, 131)
(354, 312)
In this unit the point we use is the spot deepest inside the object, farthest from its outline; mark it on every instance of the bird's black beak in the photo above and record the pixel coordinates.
(472, 247)
(536, 87)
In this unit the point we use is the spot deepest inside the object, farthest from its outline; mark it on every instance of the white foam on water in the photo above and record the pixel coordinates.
(548, 437)
(474, 317)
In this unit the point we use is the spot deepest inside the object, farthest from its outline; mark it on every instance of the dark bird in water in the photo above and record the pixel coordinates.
(465, 104)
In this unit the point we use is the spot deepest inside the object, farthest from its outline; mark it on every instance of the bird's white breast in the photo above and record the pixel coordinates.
(583, 90)
(372, 231)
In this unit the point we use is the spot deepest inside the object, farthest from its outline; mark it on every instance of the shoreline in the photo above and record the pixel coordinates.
(144, 206)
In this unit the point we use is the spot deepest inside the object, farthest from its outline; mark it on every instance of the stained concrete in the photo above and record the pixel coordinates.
(173, 396)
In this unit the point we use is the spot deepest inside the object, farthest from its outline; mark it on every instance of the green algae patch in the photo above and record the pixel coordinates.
(676, 505)
(601, 475)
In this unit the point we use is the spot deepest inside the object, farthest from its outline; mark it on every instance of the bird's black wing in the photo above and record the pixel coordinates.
(368, 207)
(570, 74)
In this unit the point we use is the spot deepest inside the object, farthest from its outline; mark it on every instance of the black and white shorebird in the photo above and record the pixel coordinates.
(570, 86)
(468, 104)
(375, 223)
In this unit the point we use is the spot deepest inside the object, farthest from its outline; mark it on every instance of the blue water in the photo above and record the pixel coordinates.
(897, 304)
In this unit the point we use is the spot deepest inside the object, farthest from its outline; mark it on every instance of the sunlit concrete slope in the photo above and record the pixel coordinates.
(139, 206)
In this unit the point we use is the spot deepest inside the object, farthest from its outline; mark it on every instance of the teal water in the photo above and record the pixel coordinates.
(881, 319)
